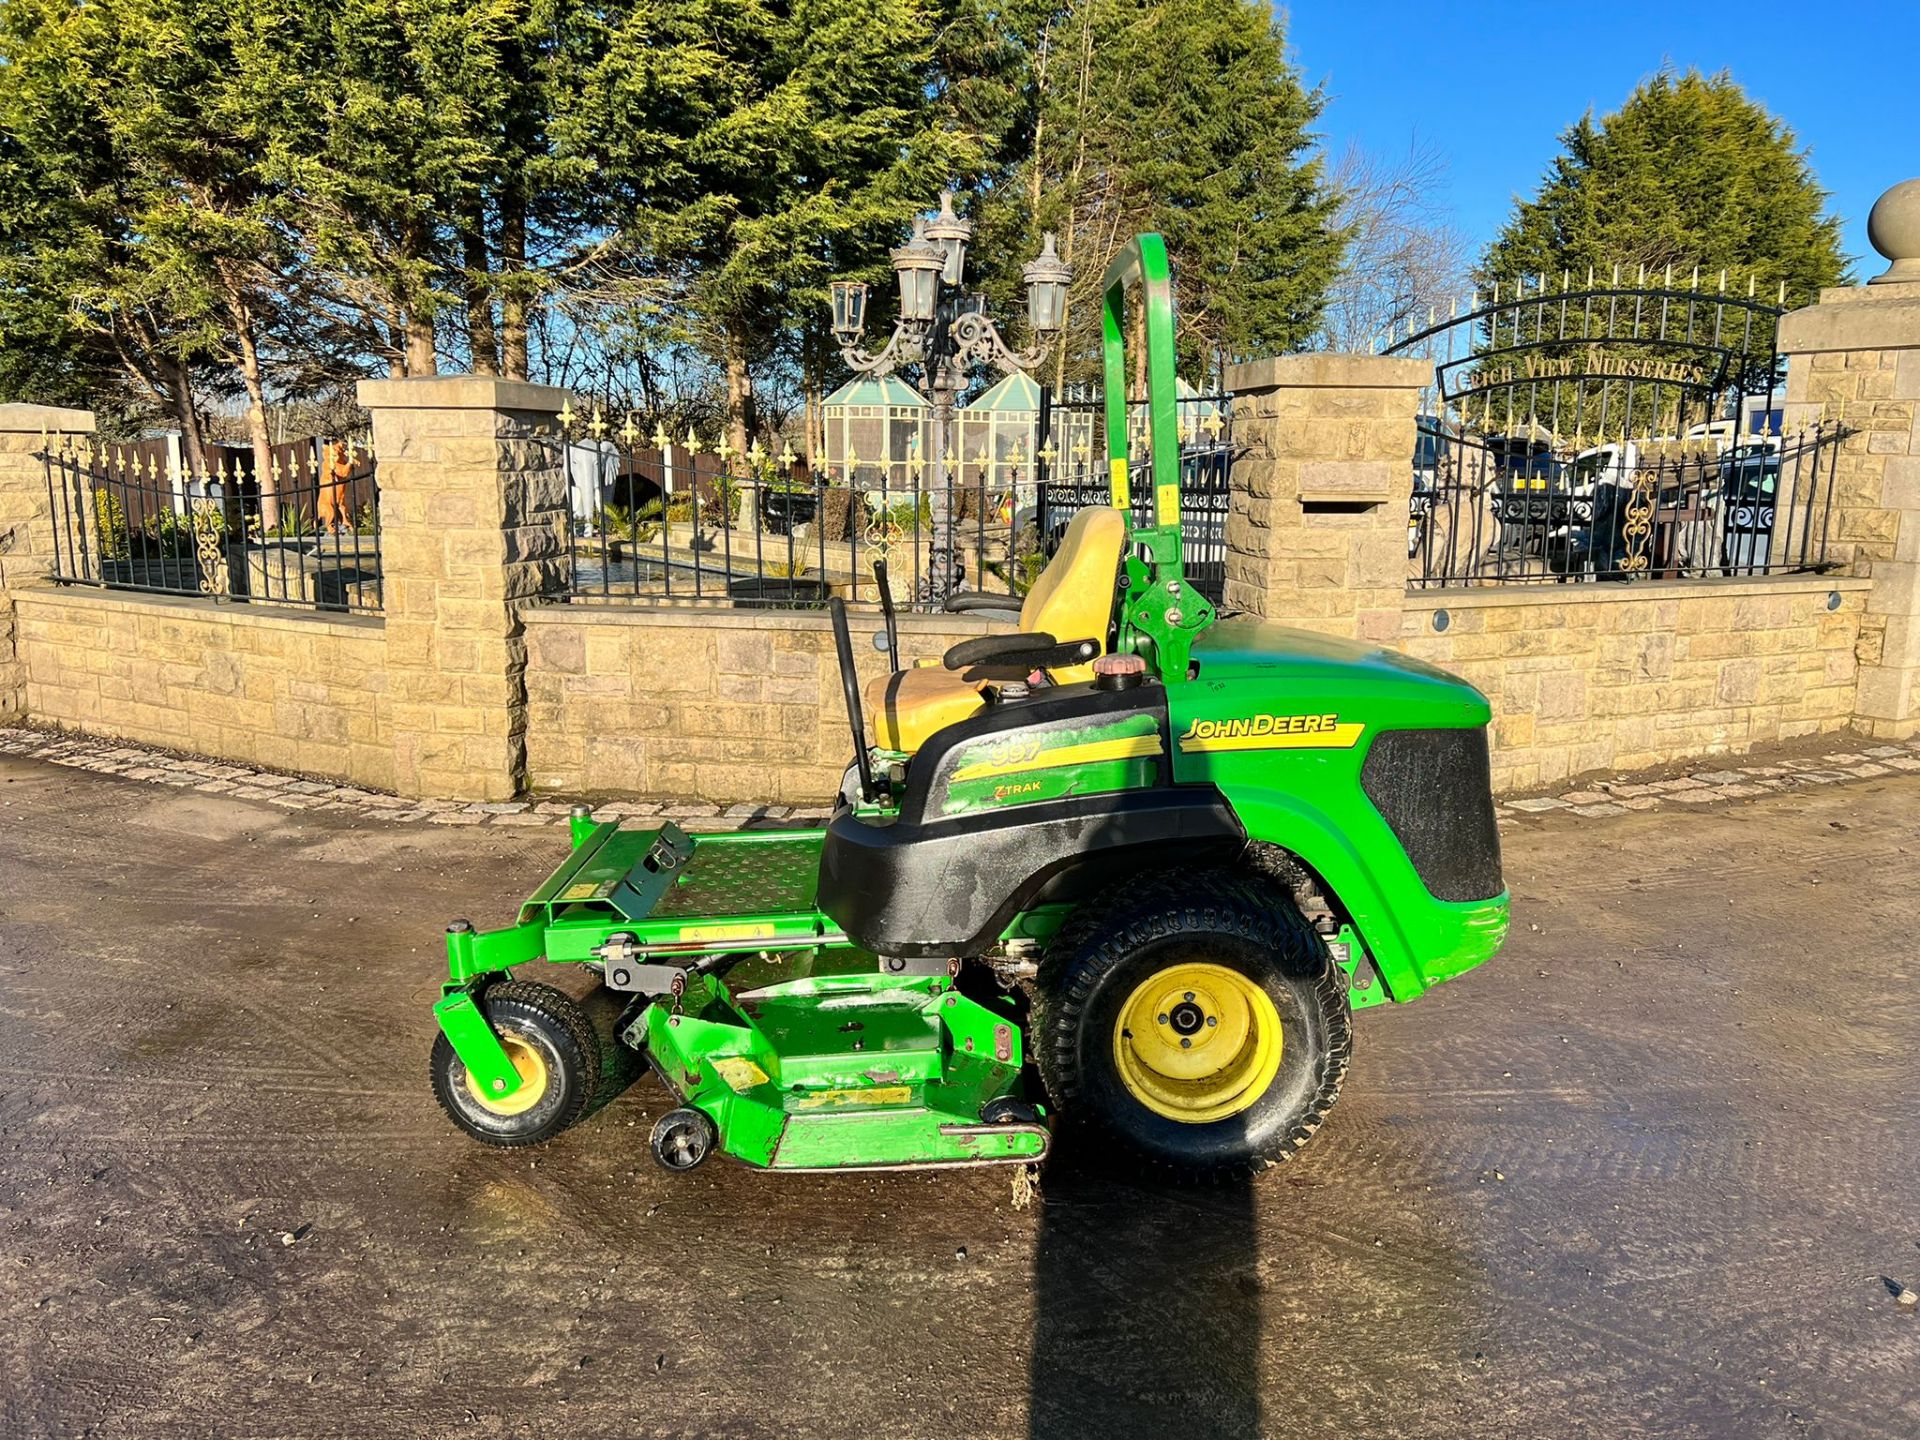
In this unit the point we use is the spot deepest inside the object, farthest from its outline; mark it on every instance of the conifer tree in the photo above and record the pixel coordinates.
(756, 149)
(1184, 117)
(1688, 172)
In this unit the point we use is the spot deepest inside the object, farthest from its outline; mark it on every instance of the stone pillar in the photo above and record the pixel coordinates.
(1855, 357)
(473, 515)
(27, 520)
(1322, 480)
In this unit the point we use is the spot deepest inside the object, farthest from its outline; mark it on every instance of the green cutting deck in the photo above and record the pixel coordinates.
(844, 1072)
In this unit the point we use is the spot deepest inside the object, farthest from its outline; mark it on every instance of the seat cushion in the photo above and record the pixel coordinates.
(904, 708)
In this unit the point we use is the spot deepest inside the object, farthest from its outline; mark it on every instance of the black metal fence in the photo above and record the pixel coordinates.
(1072, 472)
(657, 520)
(1502, 512)
(307, 534)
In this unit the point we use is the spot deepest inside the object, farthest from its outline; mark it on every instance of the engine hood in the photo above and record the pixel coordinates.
(1242, 653)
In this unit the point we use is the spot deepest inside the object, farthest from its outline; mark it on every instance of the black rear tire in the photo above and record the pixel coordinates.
(547, 1035)
(1109, 953)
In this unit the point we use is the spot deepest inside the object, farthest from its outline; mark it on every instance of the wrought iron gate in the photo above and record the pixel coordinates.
(1610, 428)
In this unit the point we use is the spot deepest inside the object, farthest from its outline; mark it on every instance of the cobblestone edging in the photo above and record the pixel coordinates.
(292, 792)
(1616, 796)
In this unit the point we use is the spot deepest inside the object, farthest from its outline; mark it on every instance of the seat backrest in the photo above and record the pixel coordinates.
(1074, 597)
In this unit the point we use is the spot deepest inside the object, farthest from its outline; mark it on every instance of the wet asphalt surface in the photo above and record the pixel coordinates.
(1649, 1172)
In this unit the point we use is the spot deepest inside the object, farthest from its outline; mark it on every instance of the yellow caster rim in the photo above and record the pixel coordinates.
(1231, 1050)
(530, 1065)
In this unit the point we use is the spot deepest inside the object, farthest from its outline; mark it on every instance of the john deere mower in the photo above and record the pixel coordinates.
(1132, 867)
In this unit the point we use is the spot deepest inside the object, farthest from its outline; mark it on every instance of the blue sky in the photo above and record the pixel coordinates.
(1492, 84)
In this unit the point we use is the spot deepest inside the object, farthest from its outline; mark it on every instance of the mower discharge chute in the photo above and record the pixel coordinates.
(1156, 856)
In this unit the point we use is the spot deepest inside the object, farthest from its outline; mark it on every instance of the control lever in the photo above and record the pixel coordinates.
(886, 609)
(850, 684)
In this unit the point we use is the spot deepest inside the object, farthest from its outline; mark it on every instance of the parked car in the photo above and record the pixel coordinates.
(1749, 488)
(1530, 496)
(1429, 450)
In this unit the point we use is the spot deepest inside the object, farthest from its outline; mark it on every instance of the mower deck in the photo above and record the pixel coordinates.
(841, 1072)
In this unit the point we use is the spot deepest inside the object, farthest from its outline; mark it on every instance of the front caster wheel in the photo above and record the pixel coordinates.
(555, 1052)
(1197, 1020)
(1008, 1111)
(682, 1139)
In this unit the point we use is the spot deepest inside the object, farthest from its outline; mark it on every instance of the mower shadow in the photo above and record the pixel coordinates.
(1147, 1302)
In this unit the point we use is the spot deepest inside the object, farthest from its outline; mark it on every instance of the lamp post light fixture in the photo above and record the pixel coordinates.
(920, 266)
(1047, 277)
(948, 334)
(951, 234)
(849, 310)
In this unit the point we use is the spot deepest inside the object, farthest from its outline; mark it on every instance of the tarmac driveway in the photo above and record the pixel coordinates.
(1649, 1172)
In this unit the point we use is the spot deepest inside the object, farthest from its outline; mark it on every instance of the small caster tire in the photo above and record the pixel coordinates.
(682, 1138)
(552, 1047)
(1008, 1111)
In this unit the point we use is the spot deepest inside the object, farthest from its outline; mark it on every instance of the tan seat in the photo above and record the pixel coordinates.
(1072, 600)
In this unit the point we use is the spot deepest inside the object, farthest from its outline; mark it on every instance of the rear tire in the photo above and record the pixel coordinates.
(1197, 1020)
(555, 1050)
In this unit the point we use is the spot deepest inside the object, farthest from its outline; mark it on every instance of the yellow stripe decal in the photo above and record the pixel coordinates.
(1340, 737)
(856, 1099)
(1132, 747)
(1117, 480)
(761, 930)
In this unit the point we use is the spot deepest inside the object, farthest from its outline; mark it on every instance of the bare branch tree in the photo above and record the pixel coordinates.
(1404, 258)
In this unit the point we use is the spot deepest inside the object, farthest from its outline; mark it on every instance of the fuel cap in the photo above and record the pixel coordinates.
(1118, 672)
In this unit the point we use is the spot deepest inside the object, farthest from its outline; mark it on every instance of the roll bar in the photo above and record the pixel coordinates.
(1142, 265)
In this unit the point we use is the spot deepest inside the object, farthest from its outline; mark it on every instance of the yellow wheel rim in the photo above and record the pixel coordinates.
(1231, 1049)
(530, 1065)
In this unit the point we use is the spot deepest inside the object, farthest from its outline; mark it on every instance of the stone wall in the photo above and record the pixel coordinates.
(1612, 677)
(477, 687)
(1317, 518)
(726, 705)
(277, 688)
(1855, 361)
(26, 522)
(473, 505)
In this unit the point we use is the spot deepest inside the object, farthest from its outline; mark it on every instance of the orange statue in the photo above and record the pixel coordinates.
(336, 469)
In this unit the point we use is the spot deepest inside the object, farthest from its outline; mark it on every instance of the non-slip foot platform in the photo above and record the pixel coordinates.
(745, 875)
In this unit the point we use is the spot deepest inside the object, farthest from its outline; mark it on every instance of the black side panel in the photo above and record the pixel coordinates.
(1049, 716)
(951, 887)
(1434, 788)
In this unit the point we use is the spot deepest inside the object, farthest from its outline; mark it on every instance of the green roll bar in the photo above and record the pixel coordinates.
(1161, 614)
(1142, 264)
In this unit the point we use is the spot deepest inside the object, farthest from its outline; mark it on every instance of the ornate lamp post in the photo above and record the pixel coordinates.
(948, 334)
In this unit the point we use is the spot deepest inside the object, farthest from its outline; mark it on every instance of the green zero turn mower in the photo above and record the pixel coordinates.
(1162, 854)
